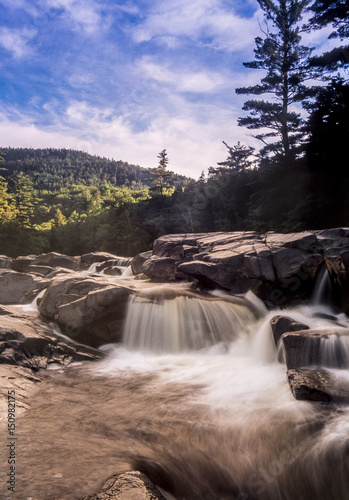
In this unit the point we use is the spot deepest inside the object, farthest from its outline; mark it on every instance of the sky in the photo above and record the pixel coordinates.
(127, 79)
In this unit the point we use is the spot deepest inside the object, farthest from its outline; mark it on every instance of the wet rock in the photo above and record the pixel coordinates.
(283, 324)
(112, 271)
(138, 261)
(42, 270)
(319, 385)
(94, 257)
(128, 486)
(17, 287)
(328, 347)
(27, 342)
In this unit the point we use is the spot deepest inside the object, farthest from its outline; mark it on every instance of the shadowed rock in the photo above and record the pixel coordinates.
(283, 324)
(318, 385)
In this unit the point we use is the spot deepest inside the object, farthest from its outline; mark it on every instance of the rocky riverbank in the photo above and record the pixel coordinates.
(57, 310)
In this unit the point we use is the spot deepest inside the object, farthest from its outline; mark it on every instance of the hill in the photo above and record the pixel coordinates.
(53, 169)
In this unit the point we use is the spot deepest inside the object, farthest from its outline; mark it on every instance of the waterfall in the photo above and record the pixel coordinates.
(323, 293)
(334, 351)
(164, 321)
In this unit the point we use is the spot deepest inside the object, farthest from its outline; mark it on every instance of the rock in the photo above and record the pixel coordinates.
(328, 347)
(5, 262)
(138, 261)
(19, 288)
(160, 268)
(276, 267)
(319, 386)
(91, 258)
(283, 324)
(89, 310)
(42, 270)
(96, 318)
(21, 264)
(27, 342)
(128, 486)
(53, 259)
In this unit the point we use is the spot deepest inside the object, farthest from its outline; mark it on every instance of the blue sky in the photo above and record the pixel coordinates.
(128, 79)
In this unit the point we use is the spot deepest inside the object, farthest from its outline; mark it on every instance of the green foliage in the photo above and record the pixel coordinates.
(285, 61)
(161, 174)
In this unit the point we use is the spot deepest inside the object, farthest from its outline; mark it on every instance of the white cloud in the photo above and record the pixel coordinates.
(16, 40)
(192, 137)
(180, 79)
(207, 21)
(85, 14)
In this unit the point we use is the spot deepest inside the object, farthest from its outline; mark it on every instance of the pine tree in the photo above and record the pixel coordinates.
(24, 199)
(285, 61)
(160, 173)
(335, 12)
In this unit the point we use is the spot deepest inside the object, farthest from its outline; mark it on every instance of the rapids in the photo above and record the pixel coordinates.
(196, 399)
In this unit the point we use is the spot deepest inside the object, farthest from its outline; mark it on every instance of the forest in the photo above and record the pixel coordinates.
(72, 202)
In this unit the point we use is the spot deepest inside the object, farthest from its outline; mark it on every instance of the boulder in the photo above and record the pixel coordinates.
(138, 261)
(89, 310)
(94, 257)
(328, 347)
(283, 324)
(277, 267)
(21, 264)
(5, 262)
(96, 318)
(128, 486)
(318, 385)
(25, 341)
(160, 268)
(19, 288)
(54, 259)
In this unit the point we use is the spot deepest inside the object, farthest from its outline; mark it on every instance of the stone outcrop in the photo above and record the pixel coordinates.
(138, 261)
(26, 341)
(318, 385)
(279, 268)
(128, 486)
(18, 287)
(51, 259)
(284, 324)
(88, 309)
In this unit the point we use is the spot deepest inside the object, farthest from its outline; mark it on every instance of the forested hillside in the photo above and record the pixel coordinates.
(53, 169)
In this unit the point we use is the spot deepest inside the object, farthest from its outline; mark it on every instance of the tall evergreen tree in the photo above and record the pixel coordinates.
(336, 13)
(160, 173)
(285, 61)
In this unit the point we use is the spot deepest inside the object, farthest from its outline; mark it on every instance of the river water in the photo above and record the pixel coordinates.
(195, 398)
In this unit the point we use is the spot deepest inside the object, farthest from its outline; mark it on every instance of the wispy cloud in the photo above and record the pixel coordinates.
(210, 22)
(85, 14)
(183, 80)
(16, 41)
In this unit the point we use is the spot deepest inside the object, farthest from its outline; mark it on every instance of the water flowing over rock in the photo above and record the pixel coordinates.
(328, 347)
(165, 320)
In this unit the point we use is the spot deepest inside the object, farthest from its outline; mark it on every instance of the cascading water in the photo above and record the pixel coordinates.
(164, 321)
(194, 398)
